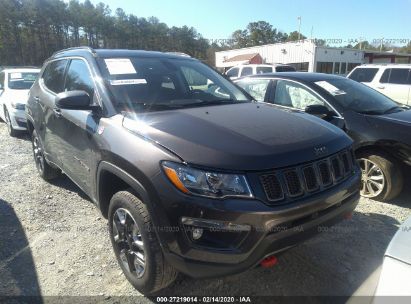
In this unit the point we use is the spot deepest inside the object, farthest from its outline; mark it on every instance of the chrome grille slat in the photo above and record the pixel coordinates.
(306, 179)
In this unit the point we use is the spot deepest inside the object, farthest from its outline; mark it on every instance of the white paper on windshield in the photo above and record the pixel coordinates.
(16, 76)
(330, 88)
(119, 66)
(127, 81)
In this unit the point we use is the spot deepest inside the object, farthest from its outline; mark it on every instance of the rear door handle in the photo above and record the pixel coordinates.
(36, 99)
(381, 87)
(57, 112)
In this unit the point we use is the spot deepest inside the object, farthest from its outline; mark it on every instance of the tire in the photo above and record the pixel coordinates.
(157, 273)
(45, 171)
(11, 131)
(386, 166)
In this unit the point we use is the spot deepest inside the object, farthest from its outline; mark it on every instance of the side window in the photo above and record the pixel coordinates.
(78, 78)
(246, 71)
(398, 76)
(363, 74)
(257, 88)
(2, 81)
(53, 75)
(294, 95)
(262, 70)
(233, 72)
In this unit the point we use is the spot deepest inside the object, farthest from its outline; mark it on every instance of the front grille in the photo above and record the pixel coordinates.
(293, 183)
(310, 179)
(307, 179)
(272, 187)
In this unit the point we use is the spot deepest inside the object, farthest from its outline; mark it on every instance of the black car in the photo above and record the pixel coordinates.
(192, 175)
(380, 128)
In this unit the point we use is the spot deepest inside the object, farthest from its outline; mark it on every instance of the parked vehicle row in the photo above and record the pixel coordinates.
(193, 175)
(379, 127)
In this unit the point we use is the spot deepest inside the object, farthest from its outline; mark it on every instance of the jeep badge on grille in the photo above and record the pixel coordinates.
(319, 151)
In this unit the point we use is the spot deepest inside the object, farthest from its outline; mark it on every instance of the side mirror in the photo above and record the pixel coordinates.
(318, 110)
(73, 100)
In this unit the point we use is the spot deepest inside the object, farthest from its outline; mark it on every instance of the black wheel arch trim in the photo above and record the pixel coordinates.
(139, 189)
(398, 150)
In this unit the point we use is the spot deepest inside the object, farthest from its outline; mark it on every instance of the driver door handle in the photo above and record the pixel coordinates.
(57, 112)
(381, 87)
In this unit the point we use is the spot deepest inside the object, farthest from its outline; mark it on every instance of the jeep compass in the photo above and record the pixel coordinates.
(193, 176)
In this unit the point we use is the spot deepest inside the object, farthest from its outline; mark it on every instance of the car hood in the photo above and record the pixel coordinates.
(400, 246)
(20, 96)
(249, 136)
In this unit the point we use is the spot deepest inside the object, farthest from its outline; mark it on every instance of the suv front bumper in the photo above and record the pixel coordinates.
(256, 230)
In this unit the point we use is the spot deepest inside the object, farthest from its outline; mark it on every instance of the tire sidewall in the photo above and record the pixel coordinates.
(10, 129)
(147, 281)
(392, 174)
(33, 136)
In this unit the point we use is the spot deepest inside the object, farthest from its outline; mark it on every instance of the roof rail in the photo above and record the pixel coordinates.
(86, 48)
(178, 54)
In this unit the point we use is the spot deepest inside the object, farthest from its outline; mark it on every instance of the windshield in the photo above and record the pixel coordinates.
(358, 97)
(22, 80)
(152, 84)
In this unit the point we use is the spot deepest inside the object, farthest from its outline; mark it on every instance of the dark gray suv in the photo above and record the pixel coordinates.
(193, 176)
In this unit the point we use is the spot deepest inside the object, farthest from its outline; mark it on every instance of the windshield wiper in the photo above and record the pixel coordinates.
(371, 112)
(391, 109)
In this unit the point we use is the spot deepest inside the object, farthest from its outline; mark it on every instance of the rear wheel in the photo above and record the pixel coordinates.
(136, 245)
(382, 178)
(46, 171)
(10, 129)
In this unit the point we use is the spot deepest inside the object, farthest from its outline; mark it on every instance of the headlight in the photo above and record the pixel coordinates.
(206, 183)
(18, 105)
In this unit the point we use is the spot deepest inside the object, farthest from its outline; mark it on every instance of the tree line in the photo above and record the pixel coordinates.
(31, 30)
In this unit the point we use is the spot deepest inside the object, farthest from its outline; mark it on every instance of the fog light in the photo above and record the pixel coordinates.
(197, 233)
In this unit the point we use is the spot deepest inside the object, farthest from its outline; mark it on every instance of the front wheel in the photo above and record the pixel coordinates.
(136, 246)
(43, 168)
(382, 178)
(10, 129)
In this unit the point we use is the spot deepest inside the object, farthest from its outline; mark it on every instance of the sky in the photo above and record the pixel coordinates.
(322, 19)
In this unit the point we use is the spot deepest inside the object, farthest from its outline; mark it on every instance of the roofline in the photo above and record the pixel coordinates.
(85, 48)
(385, 64)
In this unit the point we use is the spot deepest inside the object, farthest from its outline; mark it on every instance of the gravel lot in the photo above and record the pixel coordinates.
(54, 242)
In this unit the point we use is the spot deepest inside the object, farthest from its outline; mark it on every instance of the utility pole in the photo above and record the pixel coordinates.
(299, 27)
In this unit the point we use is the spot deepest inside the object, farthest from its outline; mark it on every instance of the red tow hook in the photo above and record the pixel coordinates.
(348, 216)
(269, 262)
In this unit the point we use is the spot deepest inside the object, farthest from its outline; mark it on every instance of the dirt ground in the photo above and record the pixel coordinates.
(54, 242)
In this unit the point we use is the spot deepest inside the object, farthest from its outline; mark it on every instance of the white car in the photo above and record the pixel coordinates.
(15, 85)
(393, 80)
(252, 69)
(396, 268)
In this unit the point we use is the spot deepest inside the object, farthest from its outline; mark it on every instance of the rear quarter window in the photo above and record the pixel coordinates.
(396, 76)
(363, 74)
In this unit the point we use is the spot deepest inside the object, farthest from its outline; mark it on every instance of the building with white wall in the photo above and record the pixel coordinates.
(305, 55)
